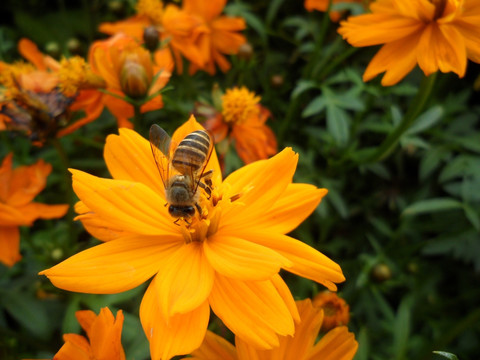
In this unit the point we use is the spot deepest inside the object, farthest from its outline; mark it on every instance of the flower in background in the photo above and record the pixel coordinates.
(38, 98)
(104, 337)
(240, 118)
(337, 344)
(436, 35)
(335, 309)
(233, 250)
(322, 5)
(129, 70)
(18, 188)
(178, 29)
(222, 37)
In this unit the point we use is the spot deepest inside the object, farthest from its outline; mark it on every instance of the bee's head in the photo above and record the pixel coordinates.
(181, 211)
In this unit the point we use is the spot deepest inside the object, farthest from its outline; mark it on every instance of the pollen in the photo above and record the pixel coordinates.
(9, 77)
(75, 74)
(239, 104)
(153, 9)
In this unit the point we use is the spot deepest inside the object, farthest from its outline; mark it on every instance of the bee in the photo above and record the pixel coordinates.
(185, 170)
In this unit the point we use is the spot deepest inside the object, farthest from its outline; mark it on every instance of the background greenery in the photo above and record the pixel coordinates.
(405, 229)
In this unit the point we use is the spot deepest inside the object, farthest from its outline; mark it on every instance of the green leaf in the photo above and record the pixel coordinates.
(28, 312)
(401, 331)
(315, 106)
(338, 124)
(432, 205)
(302, 86)
(431, 161)
(428, 119)
(472, 216)
(446, 355)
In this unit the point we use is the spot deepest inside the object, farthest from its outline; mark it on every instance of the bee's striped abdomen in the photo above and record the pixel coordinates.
(191, 153)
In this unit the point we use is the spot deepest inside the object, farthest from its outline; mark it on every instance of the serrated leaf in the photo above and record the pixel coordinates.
(315, 106)
(338, 124)
(28, 312)
(431, 206)
(426, 120)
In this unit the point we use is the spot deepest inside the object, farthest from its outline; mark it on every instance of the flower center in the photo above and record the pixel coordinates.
(153, 9)
(239, 104)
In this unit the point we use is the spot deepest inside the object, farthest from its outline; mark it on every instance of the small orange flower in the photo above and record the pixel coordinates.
(435, 34)
(38, 97)
(233, 250)
(177, 28)
(322, 5)
(337, 344)
(104, 337)
(18, 187)
(335, 309)
(222, 37)
(242, 119)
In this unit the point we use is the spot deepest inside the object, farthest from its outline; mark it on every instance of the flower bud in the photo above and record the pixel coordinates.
(381, 273)
(53, 49)
(245, 51)
(136, 73)
(74, 46)
(151, 38)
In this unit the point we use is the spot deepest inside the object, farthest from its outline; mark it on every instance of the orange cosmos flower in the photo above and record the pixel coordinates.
(435, 34)
(177, 28)
(18, 187)
(222, 36)
(322, 5)
(242, 119)
(233, 250)
(38, 98)
(337, 344)
(104, 337)
(129, 70)
(335, 309)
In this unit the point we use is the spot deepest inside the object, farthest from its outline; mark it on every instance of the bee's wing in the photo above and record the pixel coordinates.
(160, 144)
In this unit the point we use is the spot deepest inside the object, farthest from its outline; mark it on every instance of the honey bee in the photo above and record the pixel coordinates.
(187, 166)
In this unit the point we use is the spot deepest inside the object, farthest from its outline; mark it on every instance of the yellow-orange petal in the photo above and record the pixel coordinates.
(9, 245)
(35, 211)
(129, 206)
(241, 259)
(114, 266)
(260, 184)
(10, 216)
(442, 48)
(180, 334)
(242, 317)
(293, 206)
(214, 347)
(185, 281)
(97, 227)
(30, 51)
(129, 157)
(286, 295)
(307, 262)
(396, 59)
(76, 347)
(337, 344)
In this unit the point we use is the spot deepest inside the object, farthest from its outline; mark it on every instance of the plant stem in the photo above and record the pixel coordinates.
(137, 118)
(415, 109)
(66, 183)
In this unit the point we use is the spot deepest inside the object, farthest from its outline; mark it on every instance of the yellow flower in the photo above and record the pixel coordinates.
(18, 188)
(239, 104)
(337, 344)
(436, 35)
(104, 337)
(335, 309)
(233, 250)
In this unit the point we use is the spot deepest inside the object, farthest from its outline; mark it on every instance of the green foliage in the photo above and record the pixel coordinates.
(414, 209)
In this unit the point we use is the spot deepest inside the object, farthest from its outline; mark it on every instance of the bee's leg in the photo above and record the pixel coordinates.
(207, 189)
(199, 209)
(176, 222)
(207, 174)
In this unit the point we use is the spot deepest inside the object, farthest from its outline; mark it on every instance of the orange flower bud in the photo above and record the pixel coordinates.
(136, 73)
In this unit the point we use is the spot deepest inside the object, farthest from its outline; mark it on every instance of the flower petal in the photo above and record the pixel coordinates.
(242, 317)
(185, 281)
(35, 211)
(95, 225)
(181, 334)
(129, 157)
(259, 185)
(129, 206)
(307, 262)
(114, 266)
(9, 245)
(75, 347)
(337, 344)
(241, 259)
(214, 347)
